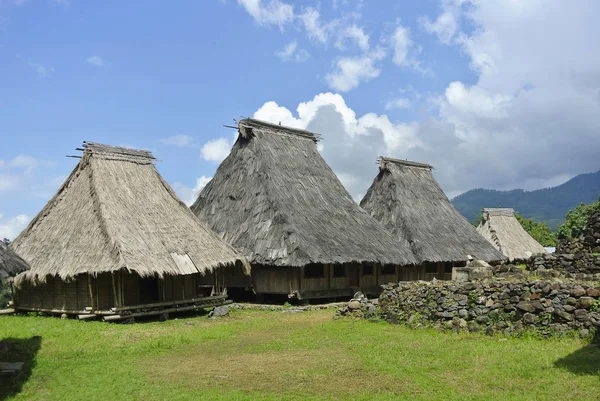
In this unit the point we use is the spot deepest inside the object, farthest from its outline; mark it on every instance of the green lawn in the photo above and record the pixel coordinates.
(255, 355)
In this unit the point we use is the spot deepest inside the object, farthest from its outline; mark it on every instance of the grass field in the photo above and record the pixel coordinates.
(255, 355)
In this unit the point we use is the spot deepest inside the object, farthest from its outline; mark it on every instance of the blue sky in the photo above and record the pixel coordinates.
(494, 94)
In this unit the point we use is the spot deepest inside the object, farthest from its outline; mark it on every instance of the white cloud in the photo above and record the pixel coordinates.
(179, 141)
(216, 150)
(354, 33)
(291, 53)
(17, 172)
(188, 195)
(40, 70)
(401, 43)
(398, 103)
(446, 24)
(311, 19)
(351, 71)
(95, 60)
(8, 181)
(11, 227)
(269, 12)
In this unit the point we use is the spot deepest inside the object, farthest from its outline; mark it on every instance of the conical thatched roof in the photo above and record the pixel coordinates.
(116, 212)
(501, 228)
(407, 200)
(276, 200)
(11, 264)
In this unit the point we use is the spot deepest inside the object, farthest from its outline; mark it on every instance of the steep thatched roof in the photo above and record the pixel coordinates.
(116, 212)
(407, 200)
(276, 200)
(11, 264)
(503, 230)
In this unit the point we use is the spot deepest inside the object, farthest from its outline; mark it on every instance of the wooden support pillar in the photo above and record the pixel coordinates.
(89, 280)
(115, 293)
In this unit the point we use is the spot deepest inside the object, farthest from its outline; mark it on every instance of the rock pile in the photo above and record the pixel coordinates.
(578, 266)
(491, 306)
(588, 243)
(360, 306)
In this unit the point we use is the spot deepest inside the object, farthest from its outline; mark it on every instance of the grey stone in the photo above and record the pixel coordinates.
(219, 311)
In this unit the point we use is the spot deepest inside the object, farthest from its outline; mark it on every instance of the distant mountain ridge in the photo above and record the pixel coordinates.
(547, 205)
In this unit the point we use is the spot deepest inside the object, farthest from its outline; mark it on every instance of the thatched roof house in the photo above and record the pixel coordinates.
(501, 228)
(116, 214)
(407, 200)
(11, 264)
(277, 201)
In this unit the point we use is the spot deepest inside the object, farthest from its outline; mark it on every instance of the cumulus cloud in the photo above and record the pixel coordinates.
(398, 103)
(291, 52)
(351, 71)
(216, 150)
(40, 70)
(188, 195)
(269, 12)
(353, 33)
(11, 227)
(178, 140)
(95, 61)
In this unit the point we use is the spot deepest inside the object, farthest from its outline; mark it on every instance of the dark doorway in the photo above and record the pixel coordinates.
(148, 290)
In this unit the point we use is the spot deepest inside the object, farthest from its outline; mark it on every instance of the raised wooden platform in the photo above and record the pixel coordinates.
(133, 311)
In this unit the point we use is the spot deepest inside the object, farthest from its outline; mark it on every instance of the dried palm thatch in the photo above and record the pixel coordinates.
(11, 264)
(276, 200)
(116, 212)
(501, 228)
(407, 200)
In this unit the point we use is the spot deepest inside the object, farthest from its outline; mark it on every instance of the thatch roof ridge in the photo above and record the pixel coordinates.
(408, 201)
(500, 227)
(277, 201)
(117, 212)
(499, 211)
(384, 160)
(266, 126)
(110, 150)
(11, 263)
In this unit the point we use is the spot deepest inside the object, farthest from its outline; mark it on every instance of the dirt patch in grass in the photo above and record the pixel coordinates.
(308, 372)
(274, 357)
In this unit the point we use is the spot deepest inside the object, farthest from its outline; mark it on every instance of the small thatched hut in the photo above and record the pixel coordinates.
(115, 239)
(407, 200)
(276, 201)
(11, 264)
(501, 228)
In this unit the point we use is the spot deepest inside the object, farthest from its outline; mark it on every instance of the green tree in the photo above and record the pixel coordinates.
(576, 219)
(539, 231)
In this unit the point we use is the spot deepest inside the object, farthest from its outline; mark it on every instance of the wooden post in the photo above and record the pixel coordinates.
(115, 294)
(301, 278)
(161, 283)
(89, 279)
(329, 274)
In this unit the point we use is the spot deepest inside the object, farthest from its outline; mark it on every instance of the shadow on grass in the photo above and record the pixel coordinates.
(18, 350)
(584, 361)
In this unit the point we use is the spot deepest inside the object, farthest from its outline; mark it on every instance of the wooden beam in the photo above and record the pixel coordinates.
(112, 274)
(111, 318)
(168, 303)
(89, 280)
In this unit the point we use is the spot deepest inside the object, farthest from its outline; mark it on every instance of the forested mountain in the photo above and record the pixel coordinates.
(545, 205)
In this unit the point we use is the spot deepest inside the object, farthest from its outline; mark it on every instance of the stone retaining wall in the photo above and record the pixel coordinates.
(492, 306)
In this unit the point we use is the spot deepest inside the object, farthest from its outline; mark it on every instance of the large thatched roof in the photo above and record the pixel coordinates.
(501, 228)
(116, 212)
(276, 200)
(407, 200)
(11, 264)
